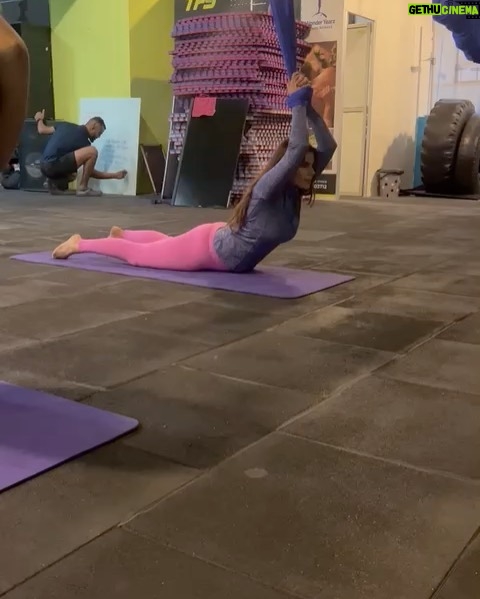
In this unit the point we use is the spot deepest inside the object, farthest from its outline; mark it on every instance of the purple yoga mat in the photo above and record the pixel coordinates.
(39, 431)
(287, 283)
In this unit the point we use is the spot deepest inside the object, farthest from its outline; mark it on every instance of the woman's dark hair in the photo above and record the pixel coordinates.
(241, 207)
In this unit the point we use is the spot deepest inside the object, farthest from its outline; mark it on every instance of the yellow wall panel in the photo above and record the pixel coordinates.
(90, 52)
(151, 23)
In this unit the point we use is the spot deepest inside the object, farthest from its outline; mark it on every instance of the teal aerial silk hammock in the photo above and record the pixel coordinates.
(283, 13)
(465, 32)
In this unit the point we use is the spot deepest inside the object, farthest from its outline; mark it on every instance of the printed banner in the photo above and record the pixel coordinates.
(189, 8)
(326, 18)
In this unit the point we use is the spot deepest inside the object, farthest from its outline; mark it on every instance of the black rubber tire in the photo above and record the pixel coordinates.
(443, 130)
(467, 165)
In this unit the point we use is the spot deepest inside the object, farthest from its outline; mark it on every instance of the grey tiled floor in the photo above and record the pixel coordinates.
(324, 448)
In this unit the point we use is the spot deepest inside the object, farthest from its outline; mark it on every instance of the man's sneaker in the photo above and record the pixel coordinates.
(91, 193)
(54, 188)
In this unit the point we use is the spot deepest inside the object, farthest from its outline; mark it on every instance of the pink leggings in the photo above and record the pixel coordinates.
(191, 251)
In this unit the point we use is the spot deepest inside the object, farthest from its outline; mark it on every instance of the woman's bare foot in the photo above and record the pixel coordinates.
(116, 232)
(67, 248)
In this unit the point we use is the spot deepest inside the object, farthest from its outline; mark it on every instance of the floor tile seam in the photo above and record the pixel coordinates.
(430, 337)
(65, 296)
(399, 355)
(96, 390)
(76, 332)
(198, 474)
(454, 564)
(380, 376)
(56, 561)
(31, 343)
(318, 398)
(222, 346)
(204, 473)
(391, 355)
(95, 288)
(439, 291)
(133, 315)
(212, 563)
(396, 353)
(246, 382)
(162, 456)
(385, 375)
(472, 482)
(329, 398)
(397, 277)
(455, 341)
(189, 337)
(375, 374)
(93, 389)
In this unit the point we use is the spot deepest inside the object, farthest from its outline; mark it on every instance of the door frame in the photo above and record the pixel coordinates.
(370, 24)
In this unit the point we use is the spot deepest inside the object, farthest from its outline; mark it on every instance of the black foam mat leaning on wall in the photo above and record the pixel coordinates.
(209, 158)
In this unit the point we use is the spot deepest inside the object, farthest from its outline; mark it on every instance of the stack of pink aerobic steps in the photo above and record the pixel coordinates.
(235, 56)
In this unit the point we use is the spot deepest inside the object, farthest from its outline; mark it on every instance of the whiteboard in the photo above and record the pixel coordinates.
(118, 146)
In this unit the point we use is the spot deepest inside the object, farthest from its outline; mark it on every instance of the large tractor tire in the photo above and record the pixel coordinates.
(467, 166)
(441, 139)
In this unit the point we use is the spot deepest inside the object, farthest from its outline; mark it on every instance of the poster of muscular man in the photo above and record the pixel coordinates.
(326, 18)
(321, 68)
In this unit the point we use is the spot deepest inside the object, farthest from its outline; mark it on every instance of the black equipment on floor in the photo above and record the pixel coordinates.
(30, 152)
(421, 192)
(209, 158)
(10, 176)
(38, 41)
(450, 158)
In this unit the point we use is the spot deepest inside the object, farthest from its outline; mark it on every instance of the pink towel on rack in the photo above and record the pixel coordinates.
(204, 107)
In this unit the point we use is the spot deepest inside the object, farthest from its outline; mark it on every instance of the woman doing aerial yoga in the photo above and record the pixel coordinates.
(267, 215)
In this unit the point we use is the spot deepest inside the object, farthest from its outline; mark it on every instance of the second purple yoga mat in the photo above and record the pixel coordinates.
(267, 281)
(39, 431)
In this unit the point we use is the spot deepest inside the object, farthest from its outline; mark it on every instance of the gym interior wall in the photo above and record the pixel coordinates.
(90, 52)
(37, 38)
(114, 48)
(31, 20)
(151, 24)
(33, 12)
(401, 83)
(453, 75)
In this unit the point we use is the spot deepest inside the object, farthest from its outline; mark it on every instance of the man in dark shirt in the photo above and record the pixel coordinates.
(68, 149)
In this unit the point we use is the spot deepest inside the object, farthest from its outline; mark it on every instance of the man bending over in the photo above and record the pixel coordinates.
(70, 148)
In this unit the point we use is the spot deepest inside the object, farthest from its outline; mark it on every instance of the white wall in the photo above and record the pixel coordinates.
(453, 75)
(398, 95)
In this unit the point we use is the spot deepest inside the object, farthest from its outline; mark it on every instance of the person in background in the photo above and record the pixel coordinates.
(267, 215)
(68, 149)
(14, 82)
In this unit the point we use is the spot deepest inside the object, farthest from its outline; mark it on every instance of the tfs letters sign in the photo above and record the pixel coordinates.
(197, 8)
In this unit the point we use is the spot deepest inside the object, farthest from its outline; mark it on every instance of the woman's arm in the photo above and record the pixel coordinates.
(14, 81)
(299, 97)
(283, 171)
(326, 144)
